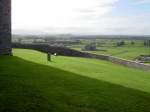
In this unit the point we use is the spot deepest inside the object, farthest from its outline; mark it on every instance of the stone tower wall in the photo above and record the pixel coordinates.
(5, 27)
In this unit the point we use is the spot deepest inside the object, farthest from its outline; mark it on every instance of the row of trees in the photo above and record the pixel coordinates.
(92, 46)
(146, 43)
(122, 43)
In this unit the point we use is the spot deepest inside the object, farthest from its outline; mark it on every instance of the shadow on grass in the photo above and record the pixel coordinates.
(29, 87)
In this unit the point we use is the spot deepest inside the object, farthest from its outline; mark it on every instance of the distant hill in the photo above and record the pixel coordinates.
(84, 36)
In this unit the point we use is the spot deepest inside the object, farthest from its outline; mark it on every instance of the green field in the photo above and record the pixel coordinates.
(125, 52)
(28, 83)
(108, 47)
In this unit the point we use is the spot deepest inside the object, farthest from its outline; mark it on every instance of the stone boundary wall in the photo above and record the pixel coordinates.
(52, 49)
(70, 52)
(128, 63)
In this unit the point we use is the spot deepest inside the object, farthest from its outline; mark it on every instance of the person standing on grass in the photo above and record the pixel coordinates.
(49, 57)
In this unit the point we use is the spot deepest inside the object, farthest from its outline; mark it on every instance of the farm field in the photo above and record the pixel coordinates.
(28, 83)
(108, 47)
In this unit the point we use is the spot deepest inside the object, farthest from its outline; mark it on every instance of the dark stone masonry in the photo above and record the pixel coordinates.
(5, 27)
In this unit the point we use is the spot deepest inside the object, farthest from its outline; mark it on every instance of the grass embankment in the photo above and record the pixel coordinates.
(28, 83)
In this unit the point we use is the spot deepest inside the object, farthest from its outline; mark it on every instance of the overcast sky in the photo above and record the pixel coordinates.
(81, 16)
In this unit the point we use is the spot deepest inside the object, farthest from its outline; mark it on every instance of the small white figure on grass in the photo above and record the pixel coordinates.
(55, 54)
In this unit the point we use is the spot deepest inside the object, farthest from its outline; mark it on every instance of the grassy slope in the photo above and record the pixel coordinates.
(29, 84)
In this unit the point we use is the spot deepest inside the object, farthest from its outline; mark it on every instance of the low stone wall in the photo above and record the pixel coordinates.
(51, 49)
(129, 63)
(70, 52)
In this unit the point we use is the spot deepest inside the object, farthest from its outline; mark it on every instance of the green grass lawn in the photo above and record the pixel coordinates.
(28, 83)
(127, 51)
